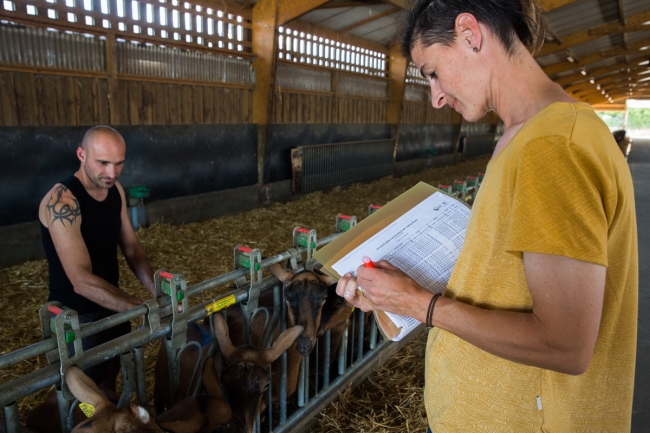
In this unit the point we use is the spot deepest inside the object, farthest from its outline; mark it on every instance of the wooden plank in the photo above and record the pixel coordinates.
(160, 104)
(208, 105)
(173, 104)
(186, 105)
(85, 101)
(44, 118)
(60, 100)
(8, 112)
(197, 102)
(291, 9)
(103, 102)
(94, 91)
(148, 101)
(25, 102)
(135, 102)
(121, 104)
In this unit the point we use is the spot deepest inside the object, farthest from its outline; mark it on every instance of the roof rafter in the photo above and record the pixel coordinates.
(291, 9)
(370, 19)
(595, 57)
(578, 38)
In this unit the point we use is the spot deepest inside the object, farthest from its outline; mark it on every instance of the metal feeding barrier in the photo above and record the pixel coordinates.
(326, 165)
(361, 348)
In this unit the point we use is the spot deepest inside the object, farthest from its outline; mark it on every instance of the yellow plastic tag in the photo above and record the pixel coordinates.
(220, 304)
(87, 408)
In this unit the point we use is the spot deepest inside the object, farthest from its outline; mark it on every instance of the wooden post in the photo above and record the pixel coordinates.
(397, 74)
(264, 47)
(111, 70)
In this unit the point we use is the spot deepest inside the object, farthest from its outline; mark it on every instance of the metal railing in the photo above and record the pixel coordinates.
(327, 165)
(361, 349)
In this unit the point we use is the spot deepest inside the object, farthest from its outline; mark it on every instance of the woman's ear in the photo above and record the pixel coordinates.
(468, 31)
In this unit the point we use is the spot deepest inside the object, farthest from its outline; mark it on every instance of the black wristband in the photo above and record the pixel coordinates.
(432, 304)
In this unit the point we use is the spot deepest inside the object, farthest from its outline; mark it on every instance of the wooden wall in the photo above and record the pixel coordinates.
(28, 99)
(304, 107)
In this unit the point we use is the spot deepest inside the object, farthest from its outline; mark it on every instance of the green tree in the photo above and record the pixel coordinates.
(613, 119)
(638, 118)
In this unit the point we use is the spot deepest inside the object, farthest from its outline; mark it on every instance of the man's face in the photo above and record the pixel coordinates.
(103, 160)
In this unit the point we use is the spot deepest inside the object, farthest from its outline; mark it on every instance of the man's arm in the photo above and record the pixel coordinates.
(559, 334)
(133, 250)
(60, 210)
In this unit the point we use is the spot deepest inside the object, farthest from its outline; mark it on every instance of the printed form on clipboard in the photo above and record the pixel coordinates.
(424, 242)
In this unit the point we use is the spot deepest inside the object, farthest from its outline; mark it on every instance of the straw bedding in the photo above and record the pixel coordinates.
(388, 401)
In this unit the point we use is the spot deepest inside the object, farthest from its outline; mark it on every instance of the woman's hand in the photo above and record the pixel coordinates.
(386, 288)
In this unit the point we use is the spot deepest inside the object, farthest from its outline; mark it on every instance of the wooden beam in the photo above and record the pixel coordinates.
(397, 72)
(549, 5)
(594, 33)
(592, 58)
(350, 4)
(330, 34)
(369, 19)
(596, 73)
(291, 9)
(264, 47)
(398, 3)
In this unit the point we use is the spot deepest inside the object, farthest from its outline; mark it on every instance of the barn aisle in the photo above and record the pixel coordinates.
(639, 160)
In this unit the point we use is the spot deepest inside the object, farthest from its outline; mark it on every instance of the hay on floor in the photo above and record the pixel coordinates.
(205, 250)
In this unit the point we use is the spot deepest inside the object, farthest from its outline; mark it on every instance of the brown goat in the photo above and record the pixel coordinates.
(107, 417)
(244, 378)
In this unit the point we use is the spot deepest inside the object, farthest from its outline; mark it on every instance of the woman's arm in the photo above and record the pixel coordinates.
(559, 334)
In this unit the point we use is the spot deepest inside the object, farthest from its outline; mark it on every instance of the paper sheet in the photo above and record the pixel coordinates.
(424, 243)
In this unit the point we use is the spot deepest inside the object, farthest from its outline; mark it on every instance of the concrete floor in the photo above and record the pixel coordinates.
(639, 161)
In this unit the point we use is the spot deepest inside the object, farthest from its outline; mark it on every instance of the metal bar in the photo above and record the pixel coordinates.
(45, 346)
(302, 418)
(140, 376)
(342, 352)
(64, 411)
(301, 383)
(360, 335)
(12, 420)
(373, 332)
(127, 380)
(326, 360)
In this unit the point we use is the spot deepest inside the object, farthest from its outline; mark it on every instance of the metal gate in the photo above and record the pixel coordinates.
(356, 360)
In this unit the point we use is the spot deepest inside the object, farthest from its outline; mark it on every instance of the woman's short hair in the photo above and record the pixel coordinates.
(433, 22)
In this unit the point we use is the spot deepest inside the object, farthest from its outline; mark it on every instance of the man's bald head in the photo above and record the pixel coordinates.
(101, 132)
(102, 153)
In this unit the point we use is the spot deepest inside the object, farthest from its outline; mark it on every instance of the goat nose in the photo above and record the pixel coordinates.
(304, 346)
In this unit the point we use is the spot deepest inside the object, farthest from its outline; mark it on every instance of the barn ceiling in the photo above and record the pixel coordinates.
(598, 50)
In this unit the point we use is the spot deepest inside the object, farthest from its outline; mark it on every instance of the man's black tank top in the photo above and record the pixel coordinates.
(100, 228)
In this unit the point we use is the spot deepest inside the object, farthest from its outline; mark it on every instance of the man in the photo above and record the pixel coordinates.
(83, 220)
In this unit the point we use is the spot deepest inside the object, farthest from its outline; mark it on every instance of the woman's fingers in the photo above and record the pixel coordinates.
(347, 288)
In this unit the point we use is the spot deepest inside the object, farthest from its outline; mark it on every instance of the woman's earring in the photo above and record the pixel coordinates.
(475, 50)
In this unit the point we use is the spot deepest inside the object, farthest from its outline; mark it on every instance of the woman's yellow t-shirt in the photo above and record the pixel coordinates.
(561, 186)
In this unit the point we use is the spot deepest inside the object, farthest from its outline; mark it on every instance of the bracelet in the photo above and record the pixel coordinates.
(432, 304)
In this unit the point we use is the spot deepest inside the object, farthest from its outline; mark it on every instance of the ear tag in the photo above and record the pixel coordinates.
(87, 408)
(353, 309)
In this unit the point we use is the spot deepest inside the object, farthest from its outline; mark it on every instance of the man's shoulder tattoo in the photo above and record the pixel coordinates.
(60, 211)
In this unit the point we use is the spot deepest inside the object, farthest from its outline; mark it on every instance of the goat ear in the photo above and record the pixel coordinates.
(281, 273)
(83, 387)
(210, 379)
(326, 279)
(283, 342)
(223, 337)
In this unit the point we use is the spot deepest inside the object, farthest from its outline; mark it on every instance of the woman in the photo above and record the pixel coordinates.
(537, 328)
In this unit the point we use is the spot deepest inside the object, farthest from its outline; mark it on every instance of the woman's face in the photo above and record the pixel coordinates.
(454, 76)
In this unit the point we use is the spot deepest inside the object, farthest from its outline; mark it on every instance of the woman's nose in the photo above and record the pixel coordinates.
(438, 99)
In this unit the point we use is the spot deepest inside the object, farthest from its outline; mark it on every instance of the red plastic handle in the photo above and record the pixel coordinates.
(459, 181)
(471, 177)
(166, 275)
(441, 186)
(374, 206)
(345, 217)
(301, 230)
(245, 249)
(53, 309)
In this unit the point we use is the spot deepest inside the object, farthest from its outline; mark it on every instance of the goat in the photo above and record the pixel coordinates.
(245, 379)
(107, 417)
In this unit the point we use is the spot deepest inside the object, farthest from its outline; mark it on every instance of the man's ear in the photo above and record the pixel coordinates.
(81, 153)
(468, 31)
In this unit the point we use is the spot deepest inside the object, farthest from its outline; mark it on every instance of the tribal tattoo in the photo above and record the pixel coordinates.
(62, 212)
